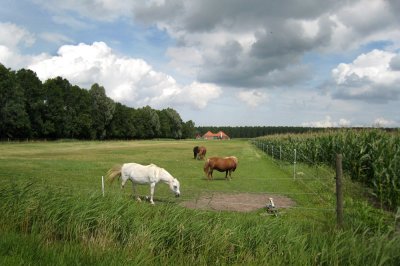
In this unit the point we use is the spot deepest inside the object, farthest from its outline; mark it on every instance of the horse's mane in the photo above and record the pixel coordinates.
(234, 158)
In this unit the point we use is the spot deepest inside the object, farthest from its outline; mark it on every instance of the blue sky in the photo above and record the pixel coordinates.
(220, 63)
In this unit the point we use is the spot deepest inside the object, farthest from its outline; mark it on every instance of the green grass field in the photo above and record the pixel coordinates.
(53, 211)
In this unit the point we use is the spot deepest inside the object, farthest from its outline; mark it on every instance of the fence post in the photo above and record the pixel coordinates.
(102, 185)
(294, 165)
(339, 192)
(272, 152)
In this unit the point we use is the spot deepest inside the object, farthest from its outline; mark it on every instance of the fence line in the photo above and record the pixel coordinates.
(290, 157)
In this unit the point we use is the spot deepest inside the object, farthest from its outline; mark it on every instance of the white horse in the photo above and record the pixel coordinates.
(144, 174)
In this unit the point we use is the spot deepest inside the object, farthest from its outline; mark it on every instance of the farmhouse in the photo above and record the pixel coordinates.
(219, 135)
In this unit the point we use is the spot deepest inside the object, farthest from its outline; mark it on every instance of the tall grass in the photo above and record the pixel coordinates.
(108, 230)
(369, 156)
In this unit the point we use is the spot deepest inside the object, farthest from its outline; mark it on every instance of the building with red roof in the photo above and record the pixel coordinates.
(219, 135)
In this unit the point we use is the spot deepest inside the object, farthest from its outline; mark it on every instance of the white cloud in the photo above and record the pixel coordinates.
(185, 60)
(327, 122)
(70, 22)
(377, 22)
(103, 10)
(252, 98)
(382, 122)
(127, 80)
(12, 36)
(56, 38)
(199, 94)
(369, 78)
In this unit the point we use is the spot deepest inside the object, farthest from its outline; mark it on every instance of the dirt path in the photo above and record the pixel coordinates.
(240, 202)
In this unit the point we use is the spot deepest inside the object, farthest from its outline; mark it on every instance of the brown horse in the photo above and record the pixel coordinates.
(221, 164)
(199, 152)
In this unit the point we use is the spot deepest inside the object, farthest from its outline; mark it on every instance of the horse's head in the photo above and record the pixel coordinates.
(175, 187)
(206, 166)
(195, 151)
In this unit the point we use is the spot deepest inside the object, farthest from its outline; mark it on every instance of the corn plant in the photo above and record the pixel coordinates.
(369, 156)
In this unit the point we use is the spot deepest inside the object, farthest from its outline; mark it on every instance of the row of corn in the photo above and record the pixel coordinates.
(370, 156)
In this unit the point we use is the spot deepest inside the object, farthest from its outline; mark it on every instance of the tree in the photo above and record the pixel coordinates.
(14, 120)
(79, 106)
(102, 111)
(122, 124)
(34, 99)
(147, 123)
(188, 130)
(170, 123)
(57, 116)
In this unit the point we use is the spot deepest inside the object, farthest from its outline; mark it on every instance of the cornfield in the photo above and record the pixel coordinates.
(371, 157)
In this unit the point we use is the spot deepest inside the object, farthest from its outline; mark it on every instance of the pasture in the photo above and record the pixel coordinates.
(53, 211)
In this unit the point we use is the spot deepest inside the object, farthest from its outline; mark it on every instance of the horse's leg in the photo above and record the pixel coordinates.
(135, 192)
(152, 185)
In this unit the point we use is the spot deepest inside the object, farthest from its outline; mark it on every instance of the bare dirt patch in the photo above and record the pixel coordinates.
(239, 202)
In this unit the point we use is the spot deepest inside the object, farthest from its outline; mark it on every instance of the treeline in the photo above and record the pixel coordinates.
(56, 109)
(258, 131)
(255, 131)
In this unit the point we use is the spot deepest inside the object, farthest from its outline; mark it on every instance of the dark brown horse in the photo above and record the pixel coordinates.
(221, 164)
(199, 152)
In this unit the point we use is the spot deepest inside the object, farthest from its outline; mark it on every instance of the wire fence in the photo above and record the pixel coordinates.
(314, 178)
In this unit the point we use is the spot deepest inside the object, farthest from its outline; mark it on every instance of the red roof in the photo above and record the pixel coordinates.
(219, 135)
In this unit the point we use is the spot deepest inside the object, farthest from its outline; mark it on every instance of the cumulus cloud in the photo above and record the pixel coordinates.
(395, 63)
(127, 80)
(369, 77)
(252, 98)
(327, 122)
(382, 122)
(243, 47)
(12, 37)
(234, 46)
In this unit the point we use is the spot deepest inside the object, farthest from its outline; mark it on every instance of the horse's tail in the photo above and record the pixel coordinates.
(204, 153)
(114, 172)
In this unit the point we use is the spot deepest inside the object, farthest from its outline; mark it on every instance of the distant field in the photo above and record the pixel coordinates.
(54, 212)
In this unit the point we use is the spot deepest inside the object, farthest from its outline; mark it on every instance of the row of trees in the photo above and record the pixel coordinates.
(56, 109)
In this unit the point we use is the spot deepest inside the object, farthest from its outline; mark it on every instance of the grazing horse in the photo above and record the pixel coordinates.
(144, 174)
(222, 164)
(195, 152)
(199, 152)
